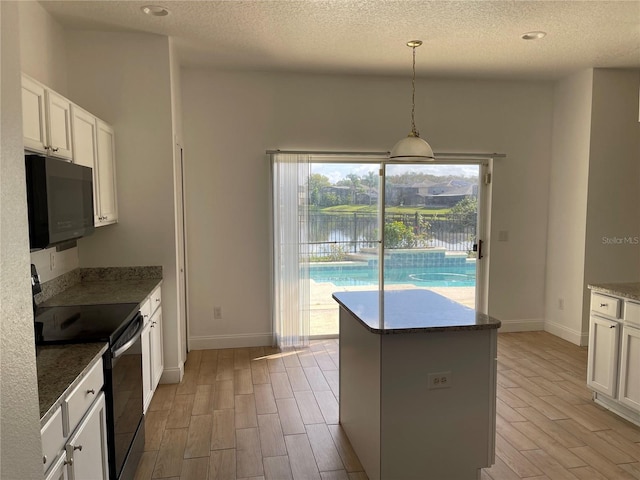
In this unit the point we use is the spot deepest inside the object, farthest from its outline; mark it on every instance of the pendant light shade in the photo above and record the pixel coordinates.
(412, 147)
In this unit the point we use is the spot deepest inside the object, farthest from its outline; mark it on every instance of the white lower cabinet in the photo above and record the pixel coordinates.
(157, 357)
(59, 469)
(613, 365)
(87, 448)
(602, 366)
(629, 393)
(77, 450)
(147, 390)
(152, 349)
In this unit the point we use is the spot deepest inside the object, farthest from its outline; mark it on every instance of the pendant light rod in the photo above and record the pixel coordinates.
(414, 44)
(412, 147)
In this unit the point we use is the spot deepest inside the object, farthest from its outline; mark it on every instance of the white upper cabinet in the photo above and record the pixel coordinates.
(58, 125)
(46, 120)
(106, 180)
(93, 146)
(33, 116)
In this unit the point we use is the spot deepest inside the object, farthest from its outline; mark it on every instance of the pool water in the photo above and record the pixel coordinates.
(361, 275)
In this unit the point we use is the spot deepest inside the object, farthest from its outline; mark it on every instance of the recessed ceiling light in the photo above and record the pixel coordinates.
(536, 35)
(155, 10)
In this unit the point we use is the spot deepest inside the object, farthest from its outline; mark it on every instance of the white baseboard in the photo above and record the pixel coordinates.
(570, 335)
(231, 341)
(172, 375)
(522, 325)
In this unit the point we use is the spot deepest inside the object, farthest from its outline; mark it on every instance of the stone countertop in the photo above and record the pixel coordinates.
(104, 291)
(629, 290)
(60, 369)
(412, 311)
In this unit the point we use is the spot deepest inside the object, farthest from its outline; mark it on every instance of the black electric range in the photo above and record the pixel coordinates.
(121, 325)
(83, 323)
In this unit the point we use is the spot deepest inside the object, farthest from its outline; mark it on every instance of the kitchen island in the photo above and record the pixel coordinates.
(417, 384)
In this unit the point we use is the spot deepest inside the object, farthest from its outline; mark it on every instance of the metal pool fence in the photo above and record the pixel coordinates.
(334, 235)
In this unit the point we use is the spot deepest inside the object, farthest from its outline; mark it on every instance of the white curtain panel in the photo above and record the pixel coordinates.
(291, 249)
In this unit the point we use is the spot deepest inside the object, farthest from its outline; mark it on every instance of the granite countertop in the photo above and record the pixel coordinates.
(104, 291)
(412, 311)
(60, 369)
(629, 290)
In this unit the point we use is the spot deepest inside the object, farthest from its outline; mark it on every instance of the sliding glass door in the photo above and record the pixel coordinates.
(432, 225)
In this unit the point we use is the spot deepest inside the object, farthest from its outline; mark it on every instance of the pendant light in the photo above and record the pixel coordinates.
(412, 147)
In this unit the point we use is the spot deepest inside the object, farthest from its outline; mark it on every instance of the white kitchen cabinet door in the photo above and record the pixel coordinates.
(87, 448)
(157, 357)
(58, 125)
(629, 393)
(33, 116)
(106, 175)
(84, 140)
(59, 470)
(602, 364)
(147, 383)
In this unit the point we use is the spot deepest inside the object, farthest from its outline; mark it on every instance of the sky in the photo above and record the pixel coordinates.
(338, 171)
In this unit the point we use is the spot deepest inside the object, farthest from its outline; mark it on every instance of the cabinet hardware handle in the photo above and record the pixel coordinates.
(604, 304)
(157, 300)
(79, 448)
(44, 459)
(612, 326)
(91, 391)
(55, 149)
(68, 462)
(146, 315)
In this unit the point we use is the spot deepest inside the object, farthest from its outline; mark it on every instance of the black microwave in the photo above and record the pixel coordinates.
(59, 201)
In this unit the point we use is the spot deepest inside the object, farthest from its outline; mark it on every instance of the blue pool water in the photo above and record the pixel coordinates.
(361, 275)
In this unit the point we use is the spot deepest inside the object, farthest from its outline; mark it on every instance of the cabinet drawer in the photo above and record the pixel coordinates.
(632, 313)
(81, 398)
(156, 299)
(52, 439)
(605, 305)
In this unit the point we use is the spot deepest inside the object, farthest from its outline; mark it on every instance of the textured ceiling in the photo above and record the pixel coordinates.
(461, 38)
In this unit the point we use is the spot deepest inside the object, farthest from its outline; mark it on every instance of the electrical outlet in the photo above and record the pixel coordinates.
(52, 261)
(439, 380)
(217, 313)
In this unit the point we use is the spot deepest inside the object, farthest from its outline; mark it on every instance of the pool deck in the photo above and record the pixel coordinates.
(324, 309)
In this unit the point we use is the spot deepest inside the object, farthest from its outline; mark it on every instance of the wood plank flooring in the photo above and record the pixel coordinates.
(263, 414)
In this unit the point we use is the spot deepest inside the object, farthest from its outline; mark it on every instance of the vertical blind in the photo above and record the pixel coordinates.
(290, 249)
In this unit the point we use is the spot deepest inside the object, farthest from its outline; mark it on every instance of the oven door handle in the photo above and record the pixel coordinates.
(130, 342)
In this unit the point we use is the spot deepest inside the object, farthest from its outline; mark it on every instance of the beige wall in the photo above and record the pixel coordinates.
(20, 449)
(124, 78)
(594, 194)
(568, 206)
(42, 47)
(230, 119)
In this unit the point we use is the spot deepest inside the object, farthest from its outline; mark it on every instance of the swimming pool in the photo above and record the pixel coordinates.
(361, 275)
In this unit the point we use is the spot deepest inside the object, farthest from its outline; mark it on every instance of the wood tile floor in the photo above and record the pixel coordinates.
(257, 413)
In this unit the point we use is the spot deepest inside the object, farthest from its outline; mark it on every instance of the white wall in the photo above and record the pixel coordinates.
(613, 230)
(568, 206)
(594, 194)
(124, 78)
(231, 118)
(20, 449)
(42, 47)
(614, 173)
